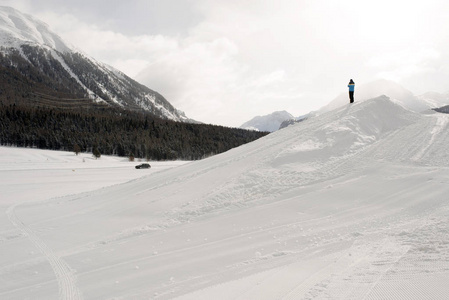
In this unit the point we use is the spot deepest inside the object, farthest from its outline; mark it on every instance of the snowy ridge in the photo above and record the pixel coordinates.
(394, 91)
(349, 204)
(18, 28)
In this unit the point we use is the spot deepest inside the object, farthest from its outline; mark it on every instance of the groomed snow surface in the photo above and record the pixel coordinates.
(351, 204)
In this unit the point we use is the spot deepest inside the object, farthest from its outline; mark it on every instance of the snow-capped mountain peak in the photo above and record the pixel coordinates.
(269, 122)
(29, 45)
(18, 28)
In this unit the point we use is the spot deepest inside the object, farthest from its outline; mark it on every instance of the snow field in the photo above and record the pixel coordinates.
(351, 204)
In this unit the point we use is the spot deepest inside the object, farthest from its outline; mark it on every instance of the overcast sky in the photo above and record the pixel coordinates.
(227, 61)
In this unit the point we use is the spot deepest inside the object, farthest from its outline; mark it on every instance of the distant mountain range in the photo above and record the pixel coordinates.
(37, 67)
(268, 123)
(393, 90)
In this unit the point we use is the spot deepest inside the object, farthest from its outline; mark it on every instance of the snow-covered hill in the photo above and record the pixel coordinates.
(349, 204)
(269, 122)
(47, 69)
(394, 91)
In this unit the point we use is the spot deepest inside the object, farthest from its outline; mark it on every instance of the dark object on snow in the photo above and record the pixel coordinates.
(351, 86)
(143, 166)
(444, 109)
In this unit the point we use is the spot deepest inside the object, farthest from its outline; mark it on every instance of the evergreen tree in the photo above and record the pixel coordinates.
(76, 149)
(115, 133)
(96, 153)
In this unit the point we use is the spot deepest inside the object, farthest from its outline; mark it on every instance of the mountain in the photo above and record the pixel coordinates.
(294, 121)
(396, 92)
(435, 99)
(268, 123)
(38, 67)
(350, 204)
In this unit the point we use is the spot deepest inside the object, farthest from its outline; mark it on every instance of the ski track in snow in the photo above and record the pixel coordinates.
(414, 144)
(366, 270)
(65, 276)
(440, 127)
(395, 252)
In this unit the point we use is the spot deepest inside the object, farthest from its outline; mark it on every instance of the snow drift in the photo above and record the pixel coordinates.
(351, 204)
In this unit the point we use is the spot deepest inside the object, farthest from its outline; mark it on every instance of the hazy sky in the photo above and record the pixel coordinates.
(226, 61)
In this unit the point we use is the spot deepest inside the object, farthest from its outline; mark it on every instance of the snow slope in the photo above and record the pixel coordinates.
(351, 204)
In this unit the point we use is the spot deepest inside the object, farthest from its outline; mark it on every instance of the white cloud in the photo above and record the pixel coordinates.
(404, 57)
(22, 5)
(400, 65)
(195, 76)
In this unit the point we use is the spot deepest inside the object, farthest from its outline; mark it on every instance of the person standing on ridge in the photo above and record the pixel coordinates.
(351, 86)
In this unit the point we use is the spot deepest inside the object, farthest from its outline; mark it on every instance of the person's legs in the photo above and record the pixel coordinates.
(351, 97)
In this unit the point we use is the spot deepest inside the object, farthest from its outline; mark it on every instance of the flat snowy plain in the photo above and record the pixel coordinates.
(351, 204)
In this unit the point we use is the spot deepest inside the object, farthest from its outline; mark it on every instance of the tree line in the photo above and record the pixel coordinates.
(112, 132)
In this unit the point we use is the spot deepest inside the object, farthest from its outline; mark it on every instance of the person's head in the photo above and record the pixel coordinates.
(351, 82)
